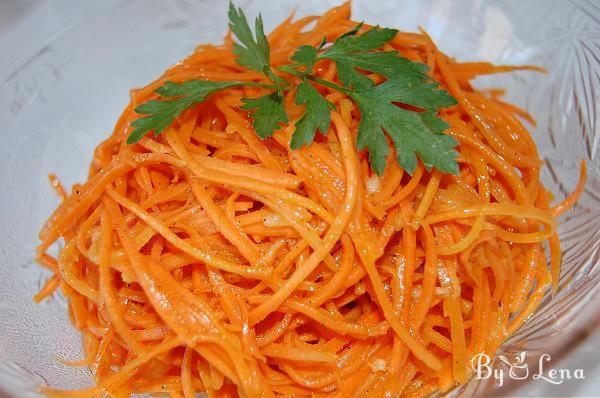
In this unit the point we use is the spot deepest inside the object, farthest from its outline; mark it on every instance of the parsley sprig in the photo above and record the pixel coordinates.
(403, 107)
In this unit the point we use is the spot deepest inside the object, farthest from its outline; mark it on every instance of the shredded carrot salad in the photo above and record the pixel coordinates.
(208, 260)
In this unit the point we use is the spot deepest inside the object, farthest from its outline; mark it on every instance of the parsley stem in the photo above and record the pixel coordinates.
(329, 84)
(256, 84)
(278, 83)
(293, 71)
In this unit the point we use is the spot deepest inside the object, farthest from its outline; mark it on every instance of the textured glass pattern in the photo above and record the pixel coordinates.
(45, 127)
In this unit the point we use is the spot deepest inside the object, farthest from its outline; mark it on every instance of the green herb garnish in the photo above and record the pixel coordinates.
(267, 112)
(163, 112)
(414, 128)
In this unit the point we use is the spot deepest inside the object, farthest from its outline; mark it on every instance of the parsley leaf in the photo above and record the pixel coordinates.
(316, 116)
(305, 55)
(413, 133)
(351, 43)
(253, 53)
(351, 51)
(268, 113)
(161, 113)
(386, 108)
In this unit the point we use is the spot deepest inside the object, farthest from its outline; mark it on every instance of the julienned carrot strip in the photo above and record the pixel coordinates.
(186, 374)
(572, 199)
(332, 236)
(107, 294)
(48, 289)
(231, 232)
(79, 202)
(208, 260)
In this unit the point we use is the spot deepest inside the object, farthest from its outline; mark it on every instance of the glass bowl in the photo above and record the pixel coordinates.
(58, 104)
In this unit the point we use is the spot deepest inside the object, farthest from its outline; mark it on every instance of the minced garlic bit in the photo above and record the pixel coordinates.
(273, 220)
(372, 184)
(416, 293)
(359, 289)
(378, 365)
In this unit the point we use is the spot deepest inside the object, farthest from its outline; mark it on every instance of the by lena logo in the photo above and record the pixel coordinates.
(518, 369)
